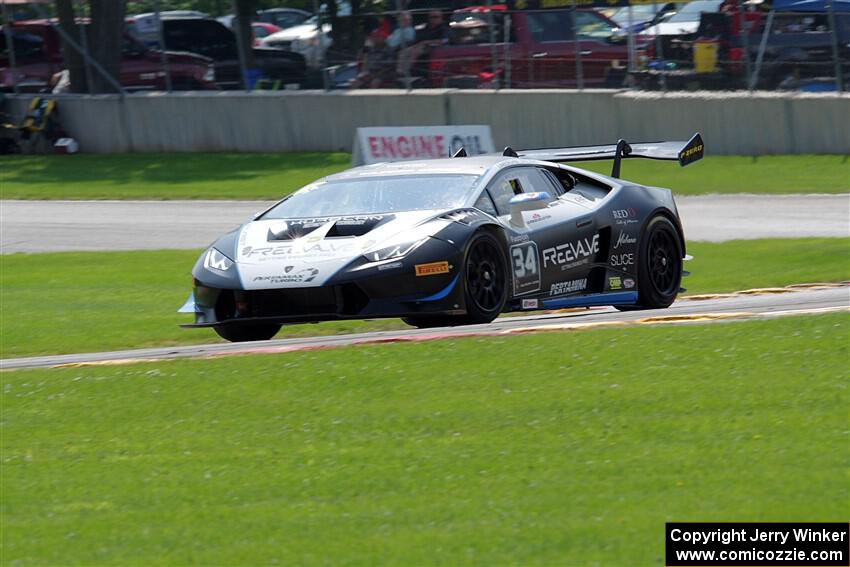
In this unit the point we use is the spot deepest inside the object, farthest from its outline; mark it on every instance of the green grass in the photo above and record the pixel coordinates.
(163, 176)
(555, 449)
(744, 264)
(271, 176)
(95, 301)
(740, 174)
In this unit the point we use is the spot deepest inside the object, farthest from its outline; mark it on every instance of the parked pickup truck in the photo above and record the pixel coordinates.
(540, 49)
(38, 56)
(797, 46)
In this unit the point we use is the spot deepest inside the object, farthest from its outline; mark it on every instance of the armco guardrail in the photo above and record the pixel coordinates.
(731, 123)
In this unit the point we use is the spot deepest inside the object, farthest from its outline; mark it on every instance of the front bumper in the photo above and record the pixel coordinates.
(387, 289)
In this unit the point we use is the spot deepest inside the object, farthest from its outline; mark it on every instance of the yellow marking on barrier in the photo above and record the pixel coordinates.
(766, 290)
(695, 317)
(116, 362)
(566, 327)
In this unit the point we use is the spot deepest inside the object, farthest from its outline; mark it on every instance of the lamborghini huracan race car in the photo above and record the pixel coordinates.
(448, 242)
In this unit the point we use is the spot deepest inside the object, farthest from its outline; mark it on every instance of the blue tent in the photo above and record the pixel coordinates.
(811, 5)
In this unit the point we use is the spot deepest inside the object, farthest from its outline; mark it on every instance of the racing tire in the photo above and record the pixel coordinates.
(485, 279)
(659, 266)
(243, 333)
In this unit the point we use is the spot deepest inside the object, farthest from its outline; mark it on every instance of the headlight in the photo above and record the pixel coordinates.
(209, 76)
(393, 251)
(217, 261)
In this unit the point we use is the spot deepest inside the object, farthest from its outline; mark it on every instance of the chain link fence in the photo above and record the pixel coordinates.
(703, 44)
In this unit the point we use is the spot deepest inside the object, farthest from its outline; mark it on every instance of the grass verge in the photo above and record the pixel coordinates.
(271, 176)
(567, 449)
(95, 301)
(164, 176)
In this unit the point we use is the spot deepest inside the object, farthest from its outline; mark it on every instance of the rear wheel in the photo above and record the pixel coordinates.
(246, 332)
(659, 266)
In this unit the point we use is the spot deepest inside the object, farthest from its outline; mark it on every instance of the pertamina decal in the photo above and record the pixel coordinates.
(432, 269)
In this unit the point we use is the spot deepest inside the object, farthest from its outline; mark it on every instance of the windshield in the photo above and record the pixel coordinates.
(691, 11)
(376, 195)
(640, 13)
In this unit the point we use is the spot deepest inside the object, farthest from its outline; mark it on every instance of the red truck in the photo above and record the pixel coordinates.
(541, 50)
(38, 56)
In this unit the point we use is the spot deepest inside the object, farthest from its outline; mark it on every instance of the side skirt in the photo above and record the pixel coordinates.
(619, 298)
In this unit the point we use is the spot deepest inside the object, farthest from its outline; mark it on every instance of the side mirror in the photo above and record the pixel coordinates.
(618, 36)
(527, 202)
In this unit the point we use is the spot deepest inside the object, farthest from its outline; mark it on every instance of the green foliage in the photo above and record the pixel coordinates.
(79, 302)
(555, 449)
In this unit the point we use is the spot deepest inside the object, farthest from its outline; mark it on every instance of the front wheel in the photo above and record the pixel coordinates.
(659, 265)
(485, 279)
(247, 332)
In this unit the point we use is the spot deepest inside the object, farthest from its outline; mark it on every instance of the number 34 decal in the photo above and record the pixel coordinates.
(526, 268)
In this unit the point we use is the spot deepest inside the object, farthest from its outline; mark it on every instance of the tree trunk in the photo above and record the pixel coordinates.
(106, 39)
(73, 58)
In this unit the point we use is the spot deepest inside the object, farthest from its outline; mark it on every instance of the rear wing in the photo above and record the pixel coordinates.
(683, 152)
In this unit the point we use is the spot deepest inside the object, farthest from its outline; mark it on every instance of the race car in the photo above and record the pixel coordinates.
(449, 241)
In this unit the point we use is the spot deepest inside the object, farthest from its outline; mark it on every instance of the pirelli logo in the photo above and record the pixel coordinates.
(432, 269)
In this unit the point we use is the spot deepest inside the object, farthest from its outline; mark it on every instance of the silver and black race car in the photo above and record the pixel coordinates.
(449, 242)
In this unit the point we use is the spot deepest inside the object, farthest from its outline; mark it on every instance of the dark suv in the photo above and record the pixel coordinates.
(213, 39)
(38, 56)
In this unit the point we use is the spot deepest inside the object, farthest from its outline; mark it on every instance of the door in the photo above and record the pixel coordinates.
(551, 54)
(598, 53)
(550, 251)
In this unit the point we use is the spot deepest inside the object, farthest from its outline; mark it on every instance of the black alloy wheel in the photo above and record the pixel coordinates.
(659, 264)
(485, 278)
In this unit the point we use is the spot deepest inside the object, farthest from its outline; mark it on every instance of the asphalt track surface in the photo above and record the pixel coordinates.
(768, 303)
(58, 226)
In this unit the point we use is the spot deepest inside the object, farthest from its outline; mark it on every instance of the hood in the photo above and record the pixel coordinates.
(671, 28)
(303, 31)
(180, 57)
(307, 252)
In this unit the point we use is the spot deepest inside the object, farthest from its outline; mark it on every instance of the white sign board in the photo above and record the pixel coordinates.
(375, 145)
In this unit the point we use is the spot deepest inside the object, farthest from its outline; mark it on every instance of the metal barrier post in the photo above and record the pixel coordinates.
(491, 23)
(10, 42)
(659, 51)
(243, 63)
(577, 49)
(506, 39)
(754, 79)
(163, 56)
(745, 40)
(84, 41)
(836, 61)
(630, 41)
